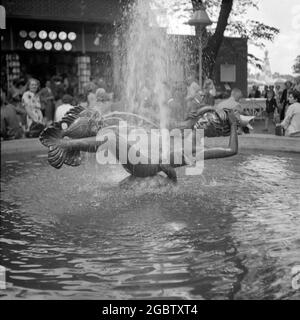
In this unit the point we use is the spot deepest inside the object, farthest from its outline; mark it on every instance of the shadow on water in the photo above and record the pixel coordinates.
(75, 233)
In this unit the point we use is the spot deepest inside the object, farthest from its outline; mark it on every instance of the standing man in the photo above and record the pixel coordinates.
(47, 102)
(284, 101)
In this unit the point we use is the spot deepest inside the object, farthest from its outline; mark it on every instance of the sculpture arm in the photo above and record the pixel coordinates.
(232, 149)
(190, 120)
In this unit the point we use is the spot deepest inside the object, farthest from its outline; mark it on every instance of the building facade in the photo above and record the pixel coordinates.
(78, 38)
(231, 65)
(44, 38)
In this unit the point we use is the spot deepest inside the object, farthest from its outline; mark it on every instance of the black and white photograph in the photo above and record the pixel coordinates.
(150, 151)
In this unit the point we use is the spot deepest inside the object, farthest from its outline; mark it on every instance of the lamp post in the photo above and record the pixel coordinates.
(200, 20)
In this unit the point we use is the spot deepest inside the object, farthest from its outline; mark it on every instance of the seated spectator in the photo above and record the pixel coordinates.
(196, 104)
(10, 126)
(291, 122)
(210, 92)
(271, 106)
(14, 98)
(192, 89)
(66, 105)
(31, 103)
(233, 103)
(16, 90)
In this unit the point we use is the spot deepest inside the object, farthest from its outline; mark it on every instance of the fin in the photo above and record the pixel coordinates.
(169, 171)
(71, 116)
(73, 158)
(58, 155)
(245, 121)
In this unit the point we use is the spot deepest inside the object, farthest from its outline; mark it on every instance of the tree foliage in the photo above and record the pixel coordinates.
(230, 19)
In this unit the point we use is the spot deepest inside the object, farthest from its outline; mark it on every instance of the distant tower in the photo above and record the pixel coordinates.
(266, 68)
(2, 18)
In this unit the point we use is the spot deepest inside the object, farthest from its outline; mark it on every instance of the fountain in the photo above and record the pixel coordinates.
(146, 63)
(231, 233)
(148, 53)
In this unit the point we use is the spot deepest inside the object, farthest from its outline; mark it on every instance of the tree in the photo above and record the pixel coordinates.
(230, 19)
(296, 66)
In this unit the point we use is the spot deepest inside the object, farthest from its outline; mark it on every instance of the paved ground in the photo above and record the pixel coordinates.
(259, 125)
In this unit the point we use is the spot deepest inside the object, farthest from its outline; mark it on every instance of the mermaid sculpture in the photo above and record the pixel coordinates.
(77, 133)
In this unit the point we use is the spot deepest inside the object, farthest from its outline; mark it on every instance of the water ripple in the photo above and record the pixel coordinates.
(232, 233)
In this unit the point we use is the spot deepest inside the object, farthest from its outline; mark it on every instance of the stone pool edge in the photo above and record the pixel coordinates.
(260, 142)
(251, 141)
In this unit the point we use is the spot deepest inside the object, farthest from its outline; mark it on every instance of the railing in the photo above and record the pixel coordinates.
(254, 107)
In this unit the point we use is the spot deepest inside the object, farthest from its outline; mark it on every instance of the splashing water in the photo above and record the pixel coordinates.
(146, 67)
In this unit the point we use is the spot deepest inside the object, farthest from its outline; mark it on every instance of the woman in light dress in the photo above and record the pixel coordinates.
(31, 103)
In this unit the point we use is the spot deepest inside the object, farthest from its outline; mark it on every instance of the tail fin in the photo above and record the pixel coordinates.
(57, 154)
(169, 171)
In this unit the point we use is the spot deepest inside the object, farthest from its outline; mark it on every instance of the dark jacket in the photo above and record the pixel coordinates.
(284, 98)
(285, 102)
(271, 105)
(10, 126)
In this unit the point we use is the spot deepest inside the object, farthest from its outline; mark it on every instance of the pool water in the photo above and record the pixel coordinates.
(74, 233)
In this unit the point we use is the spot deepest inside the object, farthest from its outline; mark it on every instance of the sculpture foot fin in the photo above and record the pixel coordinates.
(58, 154)
(169, 171)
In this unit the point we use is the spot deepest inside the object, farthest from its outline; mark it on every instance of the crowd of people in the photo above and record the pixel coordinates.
(27, 109)
(282, 106)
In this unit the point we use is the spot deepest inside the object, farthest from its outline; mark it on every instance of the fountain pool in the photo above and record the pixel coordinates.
(232, 233)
